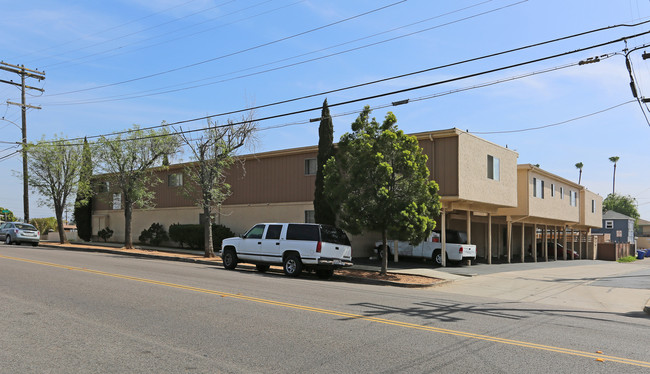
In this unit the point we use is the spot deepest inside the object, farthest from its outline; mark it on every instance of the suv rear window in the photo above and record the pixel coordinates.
(303, 232)
(331, 234)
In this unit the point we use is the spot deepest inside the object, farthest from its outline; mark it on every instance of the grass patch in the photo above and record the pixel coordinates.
(627, 259)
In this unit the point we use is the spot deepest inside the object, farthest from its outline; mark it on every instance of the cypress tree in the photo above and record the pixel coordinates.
(323, 212)
(83, 206)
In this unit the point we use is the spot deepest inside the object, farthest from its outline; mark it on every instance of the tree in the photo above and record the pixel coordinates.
(54, 172)
(214, 152)
(378, 181)
(128, 160)
(83, 206)
(579, 166)
(614, 159)
(8, 217)
(323, 212)
(622, 204)
(45, 225)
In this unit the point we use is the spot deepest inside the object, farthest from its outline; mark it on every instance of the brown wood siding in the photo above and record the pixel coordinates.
(443, 163)
(272, 180)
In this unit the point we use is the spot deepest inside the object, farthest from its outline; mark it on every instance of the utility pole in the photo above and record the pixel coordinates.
(24, 73)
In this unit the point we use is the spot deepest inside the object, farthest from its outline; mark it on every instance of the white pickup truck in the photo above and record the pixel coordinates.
(456, 246)
(293, 245)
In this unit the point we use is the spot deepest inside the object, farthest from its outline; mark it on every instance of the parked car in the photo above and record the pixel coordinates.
(294, 246)
(560, 251)
(456, 247)
(18, 232)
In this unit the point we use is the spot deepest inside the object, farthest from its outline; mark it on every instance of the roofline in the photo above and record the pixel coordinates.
(534, 168)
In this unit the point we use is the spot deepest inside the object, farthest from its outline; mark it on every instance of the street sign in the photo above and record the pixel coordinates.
(5, 211)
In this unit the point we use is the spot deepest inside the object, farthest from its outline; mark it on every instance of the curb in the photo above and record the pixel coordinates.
(248, 267)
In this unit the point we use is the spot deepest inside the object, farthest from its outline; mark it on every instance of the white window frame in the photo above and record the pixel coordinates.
(609, 224)
(310, 216)
(103, 186)
(493, 168)
(573, 198)
(175, 180)
(552, 189)
(538, 188)
(561, 193)
(117, 201)
(311, 163)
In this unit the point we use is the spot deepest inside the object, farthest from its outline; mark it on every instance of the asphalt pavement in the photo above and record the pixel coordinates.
(590, 284)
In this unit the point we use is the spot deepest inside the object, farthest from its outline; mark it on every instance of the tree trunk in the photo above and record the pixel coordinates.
(614, 181)
(384, 251)
(580, 177)
(207, 233)
(58, 211)
(128, 213)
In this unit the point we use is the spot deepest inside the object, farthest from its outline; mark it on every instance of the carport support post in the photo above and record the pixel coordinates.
(580, 242)
(443, 238)
(573, 242)
(489, 239)
(564, 228)
(523, 248)
(469, 232)
(509, 238)
(545, 243)
(555, 234)
(534, 244)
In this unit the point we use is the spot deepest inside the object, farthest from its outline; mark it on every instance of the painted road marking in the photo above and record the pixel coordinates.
(567, 351)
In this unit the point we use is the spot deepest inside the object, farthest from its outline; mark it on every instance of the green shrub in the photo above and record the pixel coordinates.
(154, 235)
(105, 233)
(192, 235)
(627, 259)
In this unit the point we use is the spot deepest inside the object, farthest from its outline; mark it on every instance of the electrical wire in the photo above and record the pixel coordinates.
(236, 52)
(158, 92)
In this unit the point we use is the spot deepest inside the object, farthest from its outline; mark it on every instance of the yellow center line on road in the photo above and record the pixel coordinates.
(469, 335)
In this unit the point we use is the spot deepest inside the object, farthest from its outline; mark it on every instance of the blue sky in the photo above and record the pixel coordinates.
(212, 57)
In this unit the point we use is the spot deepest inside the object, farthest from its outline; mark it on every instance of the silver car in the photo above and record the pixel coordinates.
(18, 232)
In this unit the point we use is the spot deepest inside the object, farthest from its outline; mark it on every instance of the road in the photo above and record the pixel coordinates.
(65, 311)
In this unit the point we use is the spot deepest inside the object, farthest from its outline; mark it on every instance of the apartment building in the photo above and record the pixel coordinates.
(483, 192)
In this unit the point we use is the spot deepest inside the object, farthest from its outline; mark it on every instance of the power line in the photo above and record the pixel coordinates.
(141, 41)
(158, 92)
(396, 91)
(236, 52)
(553, 124)
(108, 29)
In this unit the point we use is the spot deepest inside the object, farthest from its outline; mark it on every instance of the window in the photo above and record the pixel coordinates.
(562, 193)
(493, 168)
(274, 232)
(255, 233)
(609, 224)
(310, 166)
(175, 180)
(103, 186)
(310, 216)
(573, 198)
(303, 232)
(117, 201)
(538, 188)
(593, 206)
(552, 189)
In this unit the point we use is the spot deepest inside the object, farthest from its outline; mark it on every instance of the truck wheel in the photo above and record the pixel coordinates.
(292, 265)
(229, 259)
(262, 268)
(437, 258)
(324, 273)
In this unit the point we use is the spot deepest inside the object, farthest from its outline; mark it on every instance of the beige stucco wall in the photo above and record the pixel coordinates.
(589, 218)
(473, 183)
(553, 207)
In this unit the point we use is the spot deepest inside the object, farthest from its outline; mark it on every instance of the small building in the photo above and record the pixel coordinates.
(619, 227)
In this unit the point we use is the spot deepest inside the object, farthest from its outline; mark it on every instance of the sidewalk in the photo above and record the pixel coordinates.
(583, 284)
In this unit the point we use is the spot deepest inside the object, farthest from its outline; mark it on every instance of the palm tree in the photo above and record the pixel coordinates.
(614, 159)
(579, 166)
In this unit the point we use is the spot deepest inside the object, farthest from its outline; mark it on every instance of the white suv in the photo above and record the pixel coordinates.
(295, 246)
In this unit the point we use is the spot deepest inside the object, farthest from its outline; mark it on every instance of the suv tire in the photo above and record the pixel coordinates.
(229, 259)
(292, 265)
